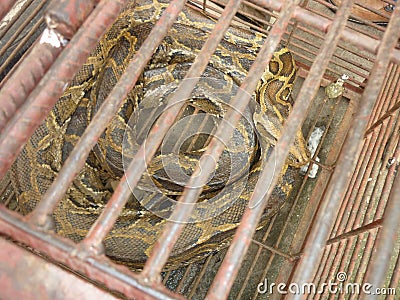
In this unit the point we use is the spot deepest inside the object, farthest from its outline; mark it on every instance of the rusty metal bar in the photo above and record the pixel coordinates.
(5, 7)
(341, 215)
(386, 115)
(153, 265)
(62, 250)
(375, 158)
(276, 251)
(393, 89)
(393, 197)
(338, 64)
(41, 100)
(390, 108)
(301, 28)
(357, 3)
(9, 198)
(359, 249)
(388, 104)
(332, 259)
(362, 254)
(394, 282)
(182, 211)
(66, 16)
(17, 88)
(249, 15)
(372, 214)
(260, 249)
(396, 50)
(318, 236)
(362, 249)
(356, 262)
(357, 19)
(310, 212)
(387, 237)
(40, 278)
(318, 22)
(41, 216)
(330, 252)
(335, 73)
(351, 92)
(17, 50)
(372, 170)
(343, 46)
(199, 277)
(21, 28)
(322, 23)
(361, 181)
(14, 18)
(354, 232)
(182, 280)
(230, 266)
(299, 195)
(314, 201)
(379, 106)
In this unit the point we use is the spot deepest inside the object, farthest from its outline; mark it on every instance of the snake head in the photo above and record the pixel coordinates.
(269, 124)
(274, 103)
(299, 155)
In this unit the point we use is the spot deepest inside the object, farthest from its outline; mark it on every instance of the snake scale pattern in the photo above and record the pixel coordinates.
(221, 205)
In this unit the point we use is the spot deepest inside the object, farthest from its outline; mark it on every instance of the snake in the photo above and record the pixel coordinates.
(226, 195)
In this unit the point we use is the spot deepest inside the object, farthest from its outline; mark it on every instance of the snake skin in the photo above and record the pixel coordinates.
(225, 196)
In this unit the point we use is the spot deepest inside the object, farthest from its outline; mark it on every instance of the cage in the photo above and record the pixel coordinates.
(337, 233)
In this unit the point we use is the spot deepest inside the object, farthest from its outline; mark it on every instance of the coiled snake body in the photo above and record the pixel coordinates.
(226, 195)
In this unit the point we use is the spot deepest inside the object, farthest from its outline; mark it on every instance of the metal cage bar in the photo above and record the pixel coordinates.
(63, 21)
(318, 237)
(374, 127)
(241, 240)
(41, 100)
(42, 213)
(6, 5)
